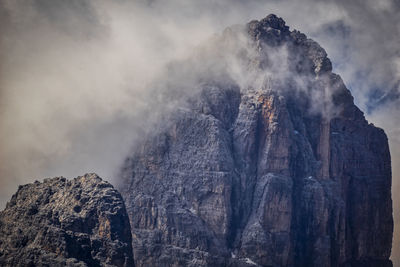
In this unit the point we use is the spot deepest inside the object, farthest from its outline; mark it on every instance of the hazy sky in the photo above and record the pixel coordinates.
(74, 75)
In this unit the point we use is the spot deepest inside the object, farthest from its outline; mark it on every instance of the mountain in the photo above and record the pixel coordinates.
(269, 176)
(264, 161)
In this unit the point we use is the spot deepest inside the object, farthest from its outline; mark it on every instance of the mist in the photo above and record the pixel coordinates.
(81, 81)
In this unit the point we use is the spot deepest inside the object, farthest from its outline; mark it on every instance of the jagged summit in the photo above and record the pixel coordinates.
(273, 31)
(270, 22)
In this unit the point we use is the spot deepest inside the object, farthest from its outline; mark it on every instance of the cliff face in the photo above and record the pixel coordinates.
(264, 176)
(82, 222)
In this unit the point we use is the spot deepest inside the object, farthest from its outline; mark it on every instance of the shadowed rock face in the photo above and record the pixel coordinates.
(260, 176)
(79, 222)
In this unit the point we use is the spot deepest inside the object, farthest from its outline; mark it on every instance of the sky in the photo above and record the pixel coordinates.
(75, 75)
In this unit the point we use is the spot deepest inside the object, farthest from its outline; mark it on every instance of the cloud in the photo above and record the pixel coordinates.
(75, 75)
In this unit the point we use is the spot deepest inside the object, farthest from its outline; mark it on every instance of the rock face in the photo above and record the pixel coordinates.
(268, 176)
(82, 222)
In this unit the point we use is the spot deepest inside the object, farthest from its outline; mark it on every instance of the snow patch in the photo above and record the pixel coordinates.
(192, 210)
(249, 261)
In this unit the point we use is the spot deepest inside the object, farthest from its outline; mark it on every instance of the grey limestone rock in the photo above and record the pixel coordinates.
(60, 222)
(264, 176)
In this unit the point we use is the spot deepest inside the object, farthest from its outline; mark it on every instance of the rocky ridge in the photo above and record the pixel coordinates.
(60, 222)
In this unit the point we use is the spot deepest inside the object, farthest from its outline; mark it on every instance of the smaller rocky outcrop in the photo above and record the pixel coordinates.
(60, 222)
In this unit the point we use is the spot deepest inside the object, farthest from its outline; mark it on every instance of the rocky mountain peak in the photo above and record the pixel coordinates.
(271, 29)
(271, 21)
(285, 173)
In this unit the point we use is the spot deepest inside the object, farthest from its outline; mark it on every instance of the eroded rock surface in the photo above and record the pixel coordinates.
(280, 175)
(60, 222)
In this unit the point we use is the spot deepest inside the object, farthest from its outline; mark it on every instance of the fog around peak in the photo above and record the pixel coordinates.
(75, 75)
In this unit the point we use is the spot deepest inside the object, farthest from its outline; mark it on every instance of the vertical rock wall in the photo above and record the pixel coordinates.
(257, 176)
